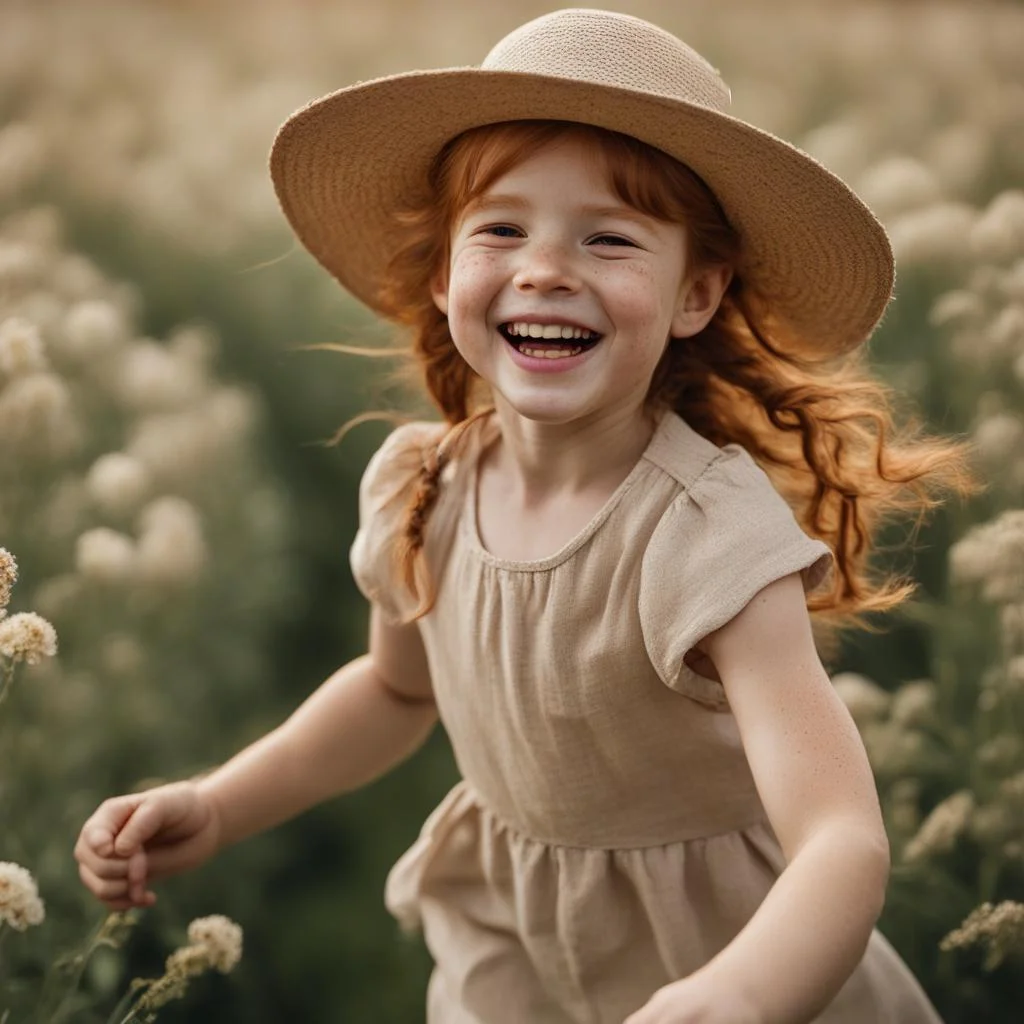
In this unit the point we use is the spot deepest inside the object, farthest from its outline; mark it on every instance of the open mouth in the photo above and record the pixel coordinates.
(548, 341)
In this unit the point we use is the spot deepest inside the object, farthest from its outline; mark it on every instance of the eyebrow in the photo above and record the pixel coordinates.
(514, 202)
(492, 201)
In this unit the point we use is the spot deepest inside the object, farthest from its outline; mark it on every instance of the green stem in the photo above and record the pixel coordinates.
(57, 1013)
(3, 931)
(6, 678)
(80, 962)
(125, 1004)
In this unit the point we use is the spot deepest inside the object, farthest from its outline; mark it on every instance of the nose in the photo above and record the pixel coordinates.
(546, 267)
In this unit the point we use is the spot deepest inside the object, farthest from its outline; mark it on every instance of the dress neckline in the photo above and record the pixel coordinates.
(472, 529)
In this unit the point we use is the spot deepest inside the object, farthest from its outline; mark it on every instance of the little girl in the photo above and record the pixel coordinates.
(638, 317)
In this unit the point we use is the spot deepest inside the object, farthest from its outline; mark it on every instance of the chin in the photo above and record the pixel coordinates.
(550, 410)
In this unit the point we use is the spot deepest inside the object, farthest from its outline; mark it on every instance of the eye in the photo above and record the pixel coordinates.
(610, 240)
(501, 231)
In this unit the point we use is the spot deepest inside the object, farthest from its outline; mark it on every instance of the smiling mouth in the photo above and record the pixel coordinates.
(548, 341)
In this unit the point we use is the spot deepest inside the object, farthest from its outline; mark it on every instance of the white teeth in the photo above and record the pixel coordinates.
(550, 353)
(521, 329)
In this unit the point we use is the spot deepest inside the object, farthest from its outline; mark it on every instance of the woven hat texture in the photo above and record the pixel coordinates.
(343, 164)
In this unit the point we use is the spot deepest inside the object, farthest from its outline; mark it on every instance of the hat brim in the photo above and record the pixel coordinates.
(343, 165)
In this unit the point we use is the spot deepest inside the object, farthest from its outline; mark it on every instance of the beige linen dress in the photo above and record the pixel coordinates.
(607, 837)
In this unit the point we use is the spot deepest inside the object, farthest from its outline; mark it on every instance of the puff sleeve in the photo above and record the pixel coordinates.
(384, 494)
(718, 543)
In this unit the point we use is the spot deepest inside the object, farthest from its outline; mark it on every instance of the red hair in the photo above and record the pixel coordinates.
(823, 428)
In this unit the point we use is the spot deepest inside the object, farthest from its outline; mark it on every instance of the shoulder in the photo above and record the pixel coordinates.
(385, 492)
(394, 468)
(680, 452)
(714, 480)
(726, 535)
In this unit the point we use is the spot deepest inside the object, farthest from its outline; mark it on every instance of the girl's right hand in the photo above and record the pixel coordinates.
(130, 841)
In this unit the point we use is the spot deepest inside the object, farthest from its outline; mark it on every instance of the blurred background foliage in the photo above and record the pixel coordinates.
(199, 580)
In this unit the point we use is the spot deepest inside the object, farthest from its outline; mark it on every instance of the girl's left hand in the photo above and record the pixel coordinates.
(696, 1000)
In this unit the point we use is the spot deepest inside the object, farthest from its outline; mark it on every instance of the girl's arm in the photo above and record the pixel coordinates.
(363, 720)
(814, 779)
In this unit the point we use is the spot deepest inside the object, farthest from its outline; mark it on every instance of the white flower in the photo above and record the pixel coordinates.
(959, 156)
(171, 547)
(36, 417)
(998, 234)
(955, 308)
(20, 905)
(21, 347)
(151, 378)
(27, 637)
(117, 482)
(1006, 332)
(179, 447)
(993, 554)
(914, 704)
(220, 937)
(1011, 621)
(8, 576)
(942, 828)
(93, 328)
(105, 555)
(840, 145)
(231, 413)
(934, 234)
(1001, 753)
(898, 185)
(214, 943)
(998, 929)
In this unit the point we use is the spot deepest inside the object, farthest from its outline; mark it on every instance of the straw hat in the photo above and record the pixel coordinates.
(343, 164)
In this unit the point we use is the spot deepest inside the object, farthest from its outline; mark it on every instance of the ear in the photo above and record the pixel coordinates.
(439, 290)
(699, 299)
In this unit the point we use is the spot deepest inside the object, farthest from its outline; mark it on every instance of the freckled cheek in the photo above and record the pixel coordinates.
(474, 283)
(472, 272)
(640, 310)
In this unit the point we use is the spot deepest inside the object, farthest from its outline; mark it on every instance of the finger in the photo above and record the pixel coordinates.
(103, 888)
(104, 867)
(141, 826)
(100, 830)
(115, 893)
(137, 871)
(127, 904)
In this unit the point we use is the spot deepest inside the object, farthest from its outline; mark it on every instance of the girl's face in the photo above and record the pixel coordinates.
(562, 297)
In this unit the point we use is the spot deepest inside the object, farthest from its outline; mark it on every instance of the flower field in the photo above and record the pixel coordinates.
(174, 533)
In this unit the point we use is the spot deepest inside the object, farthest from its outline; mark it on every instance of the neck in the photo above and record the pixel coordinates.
(540, 459)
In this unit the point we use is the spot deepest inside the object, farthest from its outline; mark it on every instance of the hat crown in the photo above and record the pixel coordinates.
(610, 49)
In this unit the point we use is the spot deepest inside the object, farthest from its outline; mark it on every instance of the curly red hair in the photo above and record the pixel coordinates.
(822, 427)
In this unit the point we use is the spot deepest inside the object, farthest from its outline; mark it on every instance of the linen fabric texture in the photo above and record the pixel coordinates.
(607, 837)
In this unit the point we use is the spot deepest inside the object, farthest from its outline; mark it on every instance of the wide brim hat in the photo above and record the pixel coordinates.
(344, 164)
